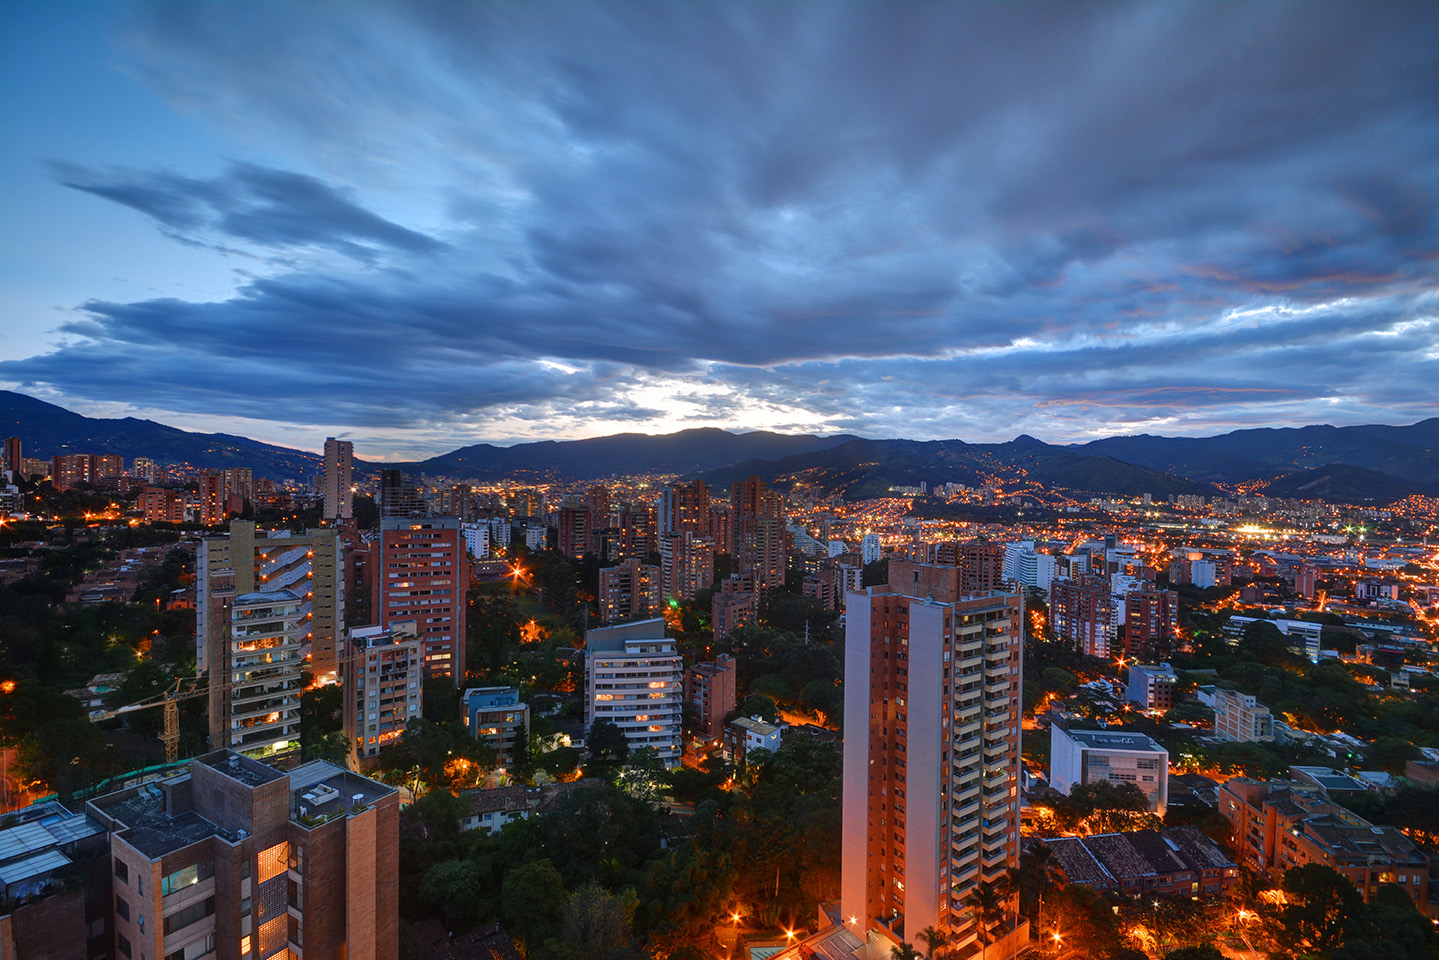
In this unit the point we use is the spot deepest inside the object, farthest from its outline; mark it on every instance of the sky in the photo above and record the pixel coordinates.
(423, 225)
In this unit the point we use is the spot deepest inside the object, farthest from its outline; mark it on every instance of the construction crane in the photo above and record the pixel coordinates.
(170, 700)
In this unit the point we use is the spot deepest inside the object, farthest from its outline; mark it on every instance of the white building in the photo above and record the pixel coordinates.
(382, 685)
(870, 549)
(634, 678)
(1090, 756)
(263, 671)
(744, 734)
(477, 538)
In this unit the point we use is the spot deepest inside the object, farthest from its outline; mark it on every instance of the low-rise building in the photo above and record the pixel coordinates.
(496, 716)
(635, 679)
(1152, 685)
(1178, 861)
(1089, 756)
(710, 692)
(744, 734)
(1239, 717)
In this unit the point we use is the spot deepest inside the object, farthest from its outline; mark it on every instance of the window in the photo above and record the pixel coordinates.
(124, 946)
(122, 909)
(273, 861)
(122, 871)
(187, 877)
(181, 919)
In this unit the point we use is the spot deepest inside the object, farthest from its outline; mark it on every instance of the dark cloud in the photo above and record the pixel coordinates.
(934, 219)
(259, 205)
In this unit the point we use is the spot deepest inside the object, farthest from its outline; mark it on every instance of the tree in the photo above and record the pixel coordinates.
(607, 743)
(1085, 920)
(533, 899)
(1037, 875)
(934, 940)
(1322, 909)
(905, 951)
(1105, 807)
(597, 924)
(986, 902)
(458, 888)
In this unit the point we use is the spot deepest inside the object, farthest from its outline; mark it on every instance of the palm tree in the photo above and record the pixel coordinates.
(934, 940)
(1038, 873)
(904, 952)
(986, 901)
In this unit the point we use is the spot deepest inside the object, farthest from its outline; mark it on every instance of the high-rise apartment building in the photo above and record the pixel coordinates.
(211, 505)
(734, 604)
(870, 548)
(250, 561)
(931, 756)
(634, 677)
(14, 458)
(526, 502)
(69, 470)
(686, 565)
(382, 685)
(259, 672)
(721, 527)
(759, 532)
(629, 590)
(574, 530)
(1152, 685)
(339, 479)
(685, 507)
(106, 466)
(1151, 621)
(981, 566)
(1083, 612)
(145, 469)
(424, 576)
(163, 505)
(238, 861)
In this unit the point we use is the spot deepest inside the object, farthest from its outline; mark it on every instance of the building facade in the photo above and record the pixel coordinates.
(497, 717)
(686, 565)
(339, 480)
(424, 577)
(238, 861)
(629, 590)
(710, 693)
(382, 685)
(1152, 686)
(1241, 718)
(1082, 612)
(1092, 756)
(931, 759)
(634, 677)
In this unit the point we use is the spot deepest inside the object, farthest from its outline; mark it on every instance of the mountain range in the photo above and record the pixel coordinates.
(1377, 462)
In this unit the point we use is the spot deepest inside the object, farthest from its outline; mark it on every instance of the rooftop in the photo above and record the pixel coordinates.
(146, 825)
(1114, 739)
(323, 789)
(238, 767)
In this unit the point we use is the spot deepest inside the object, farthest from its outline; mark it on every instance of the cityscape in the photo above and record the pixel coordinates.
(728, 481)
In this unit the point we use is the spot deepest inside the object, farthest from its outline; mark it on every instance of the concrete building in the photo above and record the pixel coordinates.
(54, 885)
(234, 859)
(730, 609)
(1281, 824)
(259, 672)
(686, 565)
(14, 456)
(743, 734)
(574, 530)
(1083, 612)
(710, 691)
(69, 470)
(758, 532)
(629, 590)
(163, 505)
(1151, 621)
(424, 575)
(931, 759)
(1152, 685)
(1239, 717)
(249, 561)
(1090, 756)
(339, 479)
(210, 501)
(870, 548)
(382, 685)
(1302, 636)
(685, 507)
(634, 677)
(498, 717)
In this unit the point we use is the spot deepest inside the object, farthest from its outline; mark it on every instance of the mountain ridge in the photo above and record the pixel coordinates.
(1396, 459)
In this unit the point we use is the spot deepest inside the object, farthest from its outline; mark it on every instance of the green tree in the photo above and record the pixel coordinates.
(533, 899)
(458, 887)
(905, 951)
(606, 743)
(934, 942)
(1321, 911)
(597, 924)
(1037, 876)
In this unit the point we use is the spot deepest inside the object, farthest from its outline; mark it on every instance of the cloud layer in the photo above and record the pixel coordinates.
(974, 220)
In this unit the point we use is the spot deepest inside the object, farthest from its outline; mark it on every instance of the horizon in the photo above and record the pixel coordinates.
(421, 228)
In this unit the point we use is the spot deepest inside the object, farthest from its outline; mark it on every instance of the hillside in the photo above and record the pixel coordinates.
(47, 430)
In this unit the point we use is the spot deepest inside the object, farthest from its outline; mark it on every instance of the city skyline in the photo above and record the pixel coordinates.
(417, 228)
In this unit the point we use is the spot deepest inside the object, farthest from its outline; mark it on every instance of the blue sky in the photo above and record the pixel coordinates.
(429, 224)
